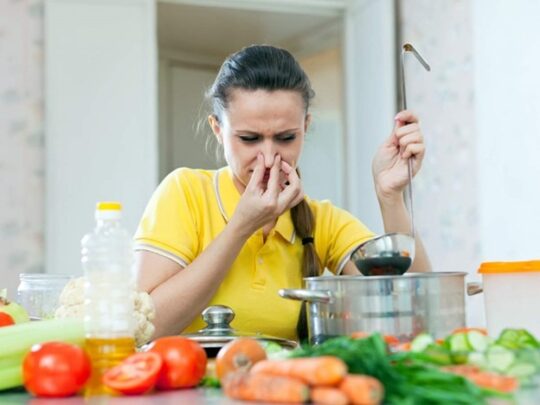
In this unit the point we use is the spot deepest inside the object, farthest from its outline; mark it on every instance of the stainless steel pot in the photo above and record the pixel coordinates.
(403, 306)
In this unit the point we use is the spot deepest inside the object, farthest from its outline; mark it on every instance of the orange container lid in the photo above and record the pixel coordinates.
(509, 267)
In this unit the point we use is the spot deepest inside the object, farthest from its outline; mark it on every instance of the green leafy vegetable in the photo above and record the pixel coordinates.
(408, 378)
(210, 382)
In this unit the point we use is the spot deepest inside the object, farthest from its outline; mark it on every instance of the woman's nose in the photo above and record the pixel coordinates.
(269, 153)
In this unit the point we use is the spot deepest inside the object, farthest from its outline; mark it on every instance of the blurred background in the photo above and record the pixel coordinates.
(99, 99)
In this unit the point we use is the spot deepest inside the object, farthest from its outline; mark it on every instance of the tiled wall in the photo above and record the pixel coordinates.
(445, 191)
(21, 140)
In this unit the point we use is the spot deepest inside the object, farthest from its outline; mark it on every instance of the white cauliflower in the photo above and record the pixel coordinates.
(72, 306)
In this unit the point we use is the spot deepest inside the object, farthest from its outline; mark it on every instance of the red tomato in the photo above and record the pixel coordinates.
(55, 369)
(135, 375)
(6, 319)
(184, 362)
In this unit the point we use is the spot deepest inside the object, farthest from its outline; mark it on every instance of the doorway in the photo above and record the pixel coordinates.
(193, 41)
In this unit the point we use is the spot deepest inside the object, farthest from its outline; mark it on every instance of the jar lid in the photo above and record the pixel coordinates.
(509, 267)
(218, 331)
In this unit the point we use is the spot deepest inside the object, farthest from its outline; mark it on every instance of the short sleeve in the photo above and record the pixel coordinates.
(337, 234)
(169, 224)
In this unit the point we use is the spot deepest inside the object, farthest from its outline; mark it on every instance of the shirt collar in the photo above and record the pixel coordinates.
(228, 197)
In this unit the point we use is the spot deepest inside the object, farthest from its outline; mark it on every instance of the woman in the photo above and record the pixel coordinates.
(236, 235)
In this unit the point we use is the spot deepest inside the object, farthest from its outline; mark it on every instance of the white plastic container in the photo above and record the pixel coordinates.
(511, 295)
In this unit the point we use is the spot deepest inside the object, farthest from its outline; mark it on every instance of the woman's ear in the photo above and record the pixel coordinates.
(307, 122)
(216, 128)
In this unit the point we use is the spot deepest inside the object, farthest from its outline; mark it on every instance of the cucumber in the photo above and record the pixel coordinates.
(438, 355)
(421, 342)
(459, 343)
(477, 341)
(477, 359)
(521, 370)
(499, 358)
(517, 339)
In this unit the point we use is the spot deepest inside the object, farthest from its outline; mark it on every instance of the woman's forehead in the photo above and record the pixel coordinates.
(257, 106)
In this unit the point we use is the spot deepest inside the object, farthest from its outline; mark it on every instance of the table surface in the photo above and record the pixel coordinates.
(200, 396)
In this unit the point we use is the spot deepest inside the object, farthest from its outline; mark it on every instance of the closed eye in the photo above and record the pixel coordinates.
(287, 138)
(249, 138)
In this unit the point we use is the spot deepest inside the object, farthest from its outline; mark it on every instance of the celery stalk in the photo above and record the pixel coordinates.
(21, 337)
(10, 377)
(16, 341)
(14, 359)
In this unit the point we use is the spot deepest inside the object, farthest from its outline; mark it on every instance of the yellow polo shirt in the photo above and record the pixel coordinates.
(191, 207)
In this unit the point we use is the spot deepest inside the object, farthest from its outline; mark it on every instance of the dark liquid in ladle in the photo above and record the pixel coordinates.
(384, 266)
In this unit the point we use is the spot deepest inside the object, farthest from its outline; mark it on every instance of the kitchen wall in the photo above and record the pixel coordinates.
(445, 190)
(477, 196)
(21, 141)
(322, 162)
(446, 200)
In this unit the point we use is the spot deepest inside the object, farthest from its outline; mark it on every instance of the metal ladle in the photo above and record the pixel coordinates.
(392, 253)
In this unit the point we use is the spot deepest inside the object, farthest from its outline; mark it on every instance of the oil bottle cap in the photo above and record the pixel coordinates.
(108, 210)
(109, 206)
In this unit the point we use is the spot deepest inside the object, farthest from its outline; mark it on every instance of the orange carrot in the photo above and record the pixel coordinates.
(359, 334)
(404, 347)
(324, 370)
(483, 331)
(485, 379)
(463, 369)
(262, 387)
(362, 389)
(494, 381)
(328, 396)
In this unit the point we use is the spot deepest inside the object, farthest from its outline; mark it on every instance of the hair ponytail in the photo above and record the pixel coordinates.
(304, 225)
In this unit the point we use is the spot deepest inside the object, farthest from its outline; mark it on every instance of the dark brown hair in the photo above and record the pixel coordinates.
(270, 68)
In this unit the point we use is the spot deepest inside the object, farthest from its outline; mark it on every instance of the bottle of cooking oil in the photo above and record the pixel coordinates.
(109, 287)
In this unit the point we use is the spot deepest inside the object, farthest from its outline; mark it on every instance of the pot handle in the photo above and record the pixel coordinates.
(474, 288)
(323, 297)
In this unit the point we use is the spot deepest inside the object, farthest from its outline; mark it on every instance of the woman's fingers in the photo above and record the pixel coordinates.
(273, 186)
(405, 117)
(414, 149)
(293, 192)
(407, 136)
(407, 129)
(257, 176)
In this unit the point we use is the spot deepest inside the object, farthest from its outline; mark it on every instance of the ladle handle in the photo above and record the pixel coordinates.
(404, 49)
(409, 192)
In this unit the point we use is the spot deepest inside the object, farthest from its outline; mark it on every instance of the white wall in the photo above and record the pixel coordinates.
(323, 160)
(369, 59)
(507, 84)
(101, 129)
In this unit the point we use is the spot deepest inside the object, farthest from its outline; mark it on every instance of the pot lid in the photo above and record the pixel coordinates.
(219, 332)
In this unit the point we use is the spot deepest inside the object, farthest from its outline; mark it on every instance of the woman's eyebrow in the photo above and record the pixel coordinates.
(248, 132)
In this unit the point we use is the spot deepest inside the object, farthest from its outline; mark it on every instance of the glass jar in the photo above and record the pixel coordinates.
(38, 293)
